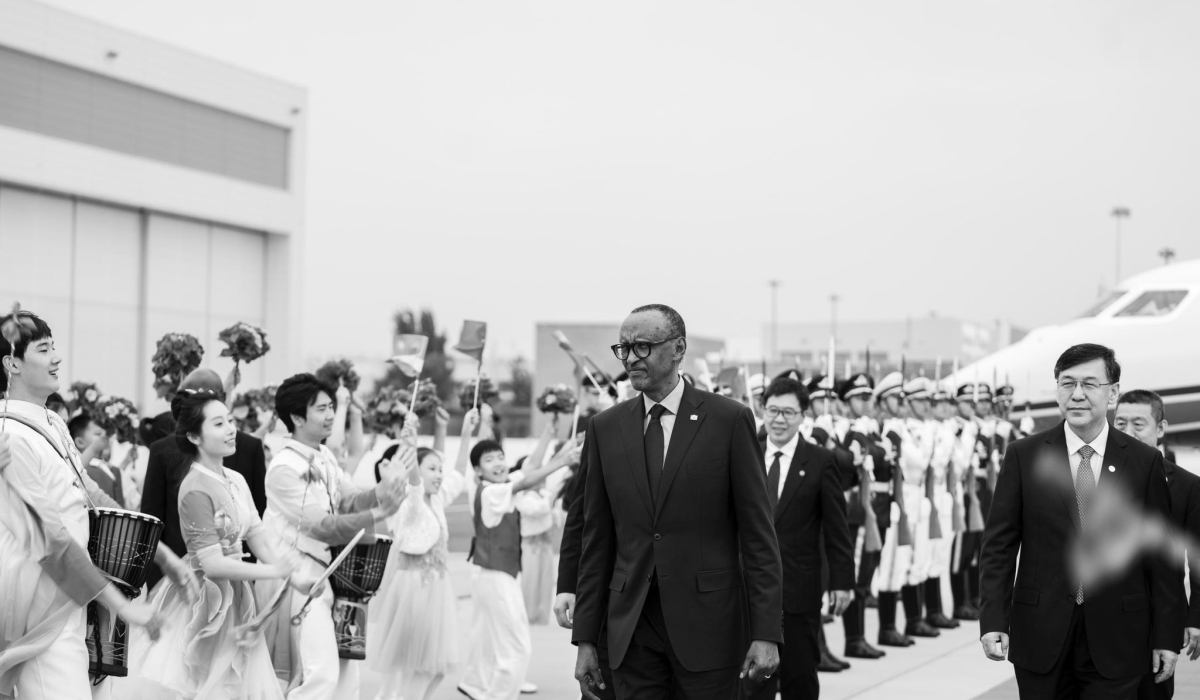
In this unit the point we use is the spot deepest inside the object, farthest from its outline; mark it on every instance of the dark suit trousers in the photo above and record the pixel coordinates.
(1074, 675)
(1149, 690)
(798, 659)
(651, 671)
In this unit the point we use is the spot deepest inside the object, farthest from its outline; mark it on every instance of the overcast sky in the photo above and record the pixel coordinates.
(525, 161)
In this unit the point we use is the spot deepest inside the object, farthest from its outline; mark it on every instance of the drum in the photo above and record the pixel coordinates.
(354, 582)
(121, 543)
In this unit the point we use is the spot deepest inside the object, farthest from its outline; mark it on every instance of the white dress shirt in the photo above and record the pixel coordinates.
(1074, 442)
(785, 459)
(671, 403)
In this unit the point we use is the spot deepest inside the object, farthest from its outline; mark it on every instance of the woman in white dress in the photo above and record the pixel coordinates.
(413, 618)
(199, 655)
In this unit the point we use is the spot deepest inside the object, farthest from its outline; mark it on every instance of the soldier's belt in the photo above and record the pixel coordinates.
(881, 487)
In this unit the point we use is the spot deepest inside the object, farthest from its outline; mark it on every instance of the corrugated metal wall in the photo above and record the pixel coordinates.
(58, 100)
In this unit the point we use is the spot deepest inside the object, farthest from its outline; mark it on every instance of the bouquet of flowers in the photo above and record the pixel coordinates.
(175, 357)
(466, 392)
(249, 407)
(82, 397)
(118, 417)
(556, 400)
(246, 343)
(386, 410)
(339, 372)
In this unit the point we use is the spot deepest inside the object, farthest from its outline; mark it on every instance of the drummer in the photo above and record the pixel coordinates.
(312, 504)
(47, 578)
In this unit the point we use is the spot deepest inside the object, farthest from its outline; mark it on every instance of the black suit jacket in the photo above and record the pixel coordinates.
(1184, 488)
(167, 467)
(710, 536)
(1034, 510)
(571, 547)
(812, 503)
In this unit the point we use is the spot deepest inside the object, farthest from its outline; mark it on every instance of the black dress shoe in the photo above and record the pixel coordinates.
(860, 649)
(828, 665)
(920, 628)
(870, 602)
(893, 638)
(940, 621)
(966, 612)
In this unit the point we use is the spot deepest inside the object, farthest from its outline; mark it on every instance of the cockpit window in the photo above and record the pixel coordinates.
(1156, 303)
(1105, 302)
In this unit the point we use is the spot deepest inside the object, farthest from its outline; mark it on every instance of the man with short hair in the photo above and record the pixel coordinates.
(311, 505)
(1069, 640)
(87, 434)
(45, 496)
(1140, 415)
(805, 492)
(682, 597)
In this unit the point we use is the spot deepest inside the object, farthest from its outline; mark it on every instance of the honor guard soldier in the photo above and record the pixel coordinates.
(939, 490)
(869, 505)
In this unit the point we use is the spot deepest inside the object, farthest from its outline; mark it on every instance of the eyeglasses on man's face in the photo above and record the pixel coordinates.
(1091, 386)
(788, 413)
(641, 349)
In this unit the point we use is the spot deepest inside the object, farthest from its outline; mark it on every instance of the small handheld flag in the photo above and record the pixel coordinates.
(408, 354)
(472, 339)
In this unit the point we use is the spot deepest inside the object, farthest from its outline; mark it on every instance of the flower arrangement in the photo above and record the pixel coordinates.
(245, 343)
(249, 407)
(386, 409)
(556, 400)
(118, 417)
(466, 392)
(339, 373)
(175, 357)
(82, 397)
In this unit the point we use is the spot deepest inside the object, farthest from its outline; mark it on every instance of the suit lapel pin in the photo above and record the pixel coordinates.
(801, 472)
(1111, 468)
(695, 417)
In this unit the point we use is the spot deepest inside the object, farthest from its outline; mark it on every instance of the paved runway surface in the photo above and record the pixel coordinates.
(951, 667)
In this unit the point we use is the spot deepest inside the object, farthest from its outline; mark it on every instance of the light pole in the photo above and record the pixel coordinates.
(774, 285)
(1166, 254)
(1119, 213)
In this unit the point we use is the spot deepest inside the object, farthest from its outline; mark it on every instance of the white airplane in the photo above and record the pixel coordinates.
(1152, 321)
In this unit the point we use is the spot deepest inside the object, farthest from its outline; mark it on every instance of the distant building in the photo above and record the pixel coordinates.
(553, 366)
(920, 341)
(145, 190)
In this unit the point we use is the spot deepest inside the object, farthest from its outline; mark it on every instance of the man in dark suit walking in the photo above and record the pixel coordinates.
(1140, 415)
(1069, 640)
(167, 466)
(805, 490)
(680, 558)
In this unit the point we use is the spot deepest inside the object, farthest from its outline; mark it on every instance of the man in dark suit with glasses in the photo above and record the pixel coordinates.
(1068, 638)
(680, 558)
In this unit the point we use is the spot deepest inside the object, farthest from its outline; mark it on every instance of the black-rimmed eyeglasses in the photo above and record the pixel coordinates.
(641, 349)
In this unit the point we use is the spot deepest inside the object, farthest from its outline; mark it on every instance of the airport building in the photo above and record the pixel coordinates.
(145, 190)
(918, 341)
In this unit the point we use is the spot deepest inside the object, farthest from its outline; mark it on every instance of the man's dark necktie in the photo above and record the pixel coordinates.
(773, 481)
(655, 449)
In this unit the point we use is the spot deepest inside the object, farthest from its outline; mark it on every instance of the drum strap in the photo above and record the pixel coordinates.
(58, 448)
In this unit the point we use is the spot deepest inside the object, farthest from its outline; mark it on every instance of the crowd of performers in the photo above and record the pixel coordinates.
(226, 573)
(247, 596)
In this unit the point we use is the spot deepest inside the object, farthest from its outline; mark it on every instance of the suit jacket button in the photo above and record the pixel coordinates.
(657, 537)
(648, 578)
